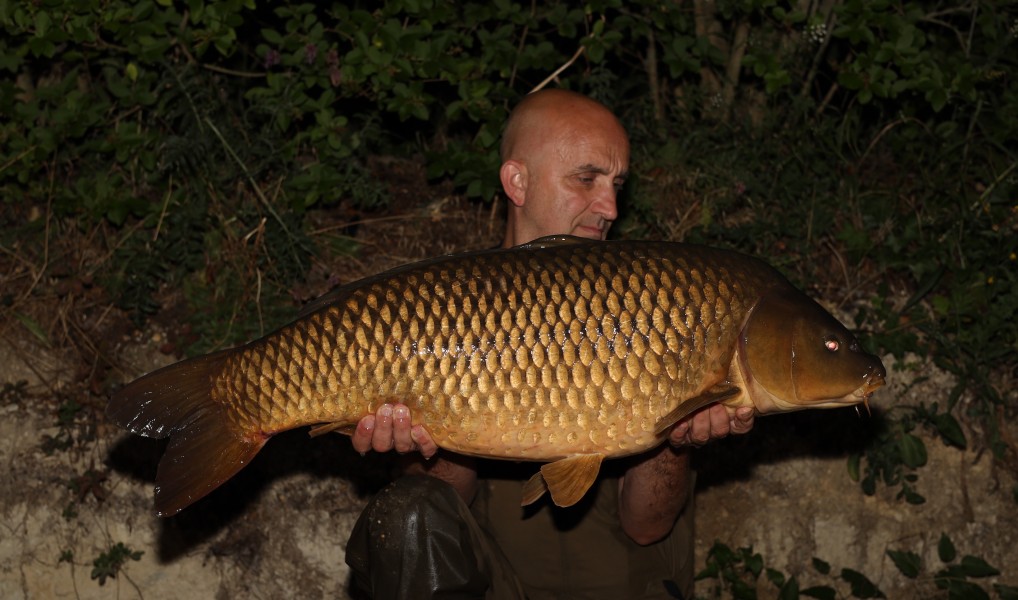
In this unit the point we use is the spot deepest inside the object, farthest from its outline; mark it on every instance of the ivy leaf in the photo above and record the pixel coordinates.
(973, 566)
(775, 576)
(945, 549)
(823, 592)
(789, 590)
(913, 451)
(959, 589)
(949, 429)
(908, 563)
(822, 566)
(862, 587)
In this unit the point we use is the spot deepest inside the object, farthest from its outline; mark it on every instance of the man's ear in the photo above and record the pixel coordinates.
(514, 181)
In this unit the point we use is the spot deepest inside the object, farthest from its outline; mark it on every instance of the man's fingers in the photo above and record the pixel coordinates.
(361, 438)
(381, 439)
(700, 428)
(427, 445)
(401, 429)
(720, 422)
(743, 420)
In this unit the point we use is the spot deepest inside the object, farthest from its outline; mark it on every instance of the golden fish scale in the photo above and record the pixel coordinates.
(540, 355)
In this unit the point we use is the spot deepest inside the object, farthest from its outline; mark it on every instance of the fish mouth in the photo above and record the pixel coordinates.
(875, 380)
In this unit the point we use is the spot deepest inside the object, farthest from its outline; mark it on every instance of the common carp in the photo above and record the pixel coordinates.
(564, 351)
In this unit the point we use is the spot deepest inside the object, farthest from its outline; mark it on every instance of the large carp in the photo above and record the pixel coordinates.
(564, 351)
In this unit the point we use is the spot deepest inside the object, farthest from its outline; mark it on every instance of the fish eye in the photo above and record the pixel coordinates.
(832, 344)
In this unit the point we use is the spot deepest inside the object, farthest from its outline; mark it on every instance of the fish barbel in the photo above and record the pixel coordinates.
(564, 351)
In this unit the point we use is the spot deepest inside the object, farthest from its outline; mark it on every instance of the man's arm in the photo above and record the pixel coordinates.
(654, 489)
(390, 429)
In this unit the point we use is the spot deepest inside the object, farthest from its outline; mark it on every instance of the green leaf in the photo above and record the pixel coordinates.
(272, 36)
(823, 592)
(862, 587)
(33, 327)
(945, 549)
(775, 576)
(743, 591)
(1006, 592)
(913, 451)
(973, 566)
(754, 562)
(850, 80)
(949, 429)
(908, 563)
(789, 590)
(42, 23)
(853, 466)
(959, 589)
(822, 566)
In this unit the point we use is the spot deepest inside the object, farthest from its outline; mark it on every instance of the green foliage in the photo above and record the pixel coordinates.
(67, 414)
(12, 392)
(954, 576)
(897, 452)
(109, 563)
(736, 574)
(865, 147)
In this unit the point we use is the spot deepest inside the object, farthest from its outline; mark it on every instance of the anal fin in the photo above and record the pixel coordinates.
(568, 479)
(533, 489)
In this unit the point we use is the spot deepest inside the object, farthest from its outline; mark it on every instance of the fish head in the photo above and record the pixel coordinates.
(794, 355)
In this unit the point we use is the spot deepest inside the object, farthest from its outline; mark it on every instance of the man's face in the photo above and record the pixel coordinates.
(573, 178)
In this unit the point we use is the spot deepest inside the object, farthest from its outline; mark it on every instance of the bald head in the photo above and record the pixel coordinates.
(564, 159)
(552, 113)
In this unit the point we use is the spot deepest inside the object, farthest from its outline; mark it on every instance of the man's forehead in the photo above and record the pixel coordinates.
(602, 169)
(593, 151)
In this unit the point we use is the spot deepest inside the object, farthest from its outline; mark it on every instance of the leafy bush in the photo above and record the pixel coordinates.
(868, 148)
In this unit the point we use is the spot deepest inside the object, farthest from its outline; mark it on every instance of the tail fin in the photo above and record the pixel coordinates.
(204, 451)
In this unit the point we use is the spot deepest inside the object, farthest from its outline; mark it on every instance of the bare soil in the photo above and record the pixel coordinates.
(77, 487)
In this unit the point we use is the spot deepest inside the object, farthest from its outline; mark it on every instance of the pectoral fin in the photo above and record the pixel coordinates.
(344, 428)
(567, 479)
(718, 393)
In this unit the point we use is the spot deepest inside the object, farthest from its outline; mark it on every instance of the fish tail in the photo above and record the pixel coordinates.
(176, 402)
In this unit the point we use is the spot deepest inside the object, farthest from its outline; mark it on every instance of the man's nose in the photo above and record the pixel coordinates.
(606, 205)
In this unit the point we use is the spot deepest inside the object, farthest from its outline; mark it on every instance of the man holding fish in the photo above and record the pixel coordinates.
(564, 350)
(565, 158)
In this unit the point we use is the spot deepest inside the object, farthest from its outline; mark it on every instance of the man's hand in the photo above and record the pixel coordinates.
(390, 429)
(711, 423)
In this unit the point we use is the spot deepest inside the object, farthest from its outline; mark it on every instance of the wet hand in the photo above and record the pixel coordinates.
(711, 423)
(390, 428)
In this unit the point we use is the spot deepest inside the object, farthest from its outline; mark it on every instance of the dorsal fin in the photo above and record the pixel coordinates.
(554, 241)
(337, 294)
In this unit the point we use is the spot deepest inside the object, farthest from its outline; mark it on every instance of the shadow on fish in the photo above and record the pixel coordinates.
(562, 351)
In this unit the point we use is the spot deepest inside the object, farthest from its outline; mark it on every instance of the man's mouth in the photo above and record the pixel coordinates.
(588, 231)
